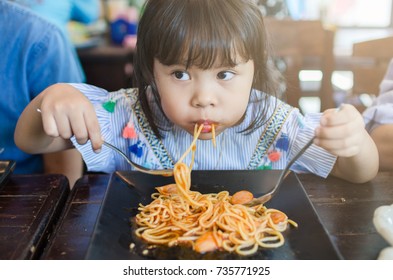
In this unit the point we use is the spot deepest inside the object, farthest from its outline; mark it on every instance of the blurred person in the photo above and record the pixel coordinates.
(35, 55)
(379, 120)
(63, 11)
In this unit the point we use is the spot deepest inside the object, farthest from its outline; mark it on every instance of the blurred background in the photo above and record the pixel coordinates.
(107, 46)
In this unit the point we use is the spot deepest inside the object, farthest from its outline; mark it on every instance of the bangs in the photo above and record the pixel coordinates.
(203, 51)
(206, 34)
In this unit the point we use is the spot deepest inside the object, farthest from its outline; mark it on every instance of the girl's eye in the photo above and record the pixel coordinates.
(181, 75)
(225, 75)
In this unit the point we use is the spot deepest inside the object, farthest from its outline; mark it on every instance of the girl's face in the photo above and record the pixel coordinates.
(218, 95)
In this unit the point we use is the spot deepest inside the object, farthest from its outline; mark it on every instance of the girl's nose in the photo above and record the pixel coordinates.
(203, 97)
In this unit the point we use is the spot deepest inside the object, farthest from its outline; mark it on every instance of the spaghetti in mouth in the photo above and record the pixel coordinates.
(207, 128)
(207, 222)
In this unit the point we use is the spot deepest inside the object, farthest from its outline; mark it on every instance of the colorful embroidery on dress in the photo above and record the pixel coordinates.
(129, 131)
(109, 106)
(149, 165)
(283, 142)
(156, 145)
(116, 95)
(267, 166)
(276, 152)
(300, 121)
(273, 128)
(274, 156)
(137, 149)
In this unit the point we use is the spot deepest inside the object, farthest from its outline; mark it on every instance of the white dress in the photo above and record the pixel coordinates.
(269, 147)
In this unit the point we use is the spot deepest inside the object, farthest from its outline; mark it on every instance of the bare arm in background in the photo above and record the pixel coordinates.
(383, 138)
(379, 120)
(68, 163)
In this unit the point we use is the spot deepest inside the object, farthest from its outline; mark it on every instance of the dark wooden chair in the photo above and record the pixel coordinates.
(370, 62)
(303, 45)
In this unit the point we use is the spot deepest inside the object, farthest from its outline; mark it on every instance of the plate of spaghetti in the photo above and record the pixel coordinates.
(202, 214)
(114, 236)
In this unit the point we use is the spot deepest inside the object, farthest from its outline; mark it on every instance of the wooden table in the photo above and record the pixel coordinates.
(73, 233)
(346, 210)
(29, 208)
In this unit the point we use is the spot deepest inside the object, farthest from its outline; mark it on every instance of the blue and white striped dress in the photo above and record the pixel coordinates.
(269, 147)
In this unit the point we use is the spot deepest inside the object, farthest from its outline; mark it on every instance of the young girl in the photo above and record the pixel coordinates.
(198, 62)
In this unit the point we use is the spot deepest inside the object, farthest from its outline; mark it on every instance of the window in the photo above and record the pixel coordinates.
(344, 13)
(359, 13)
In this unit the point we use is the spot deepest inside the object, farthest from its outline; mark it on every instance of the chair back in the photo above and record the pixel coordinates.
(370, 62)
(303, 45)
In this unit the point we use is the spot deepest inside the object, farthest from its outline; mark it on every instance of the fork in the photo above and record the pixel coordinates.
(266, 197)
(163, 172)
(284, 173)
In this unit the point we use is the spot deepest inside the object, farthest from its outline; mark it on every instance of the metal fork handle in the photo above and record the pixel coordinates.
(286, 171)
(292, 161)
(266, 197)
(163, 172)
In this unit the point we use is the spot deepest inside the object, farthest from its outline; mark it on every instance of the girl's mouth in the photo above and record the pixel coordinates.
(207, 126)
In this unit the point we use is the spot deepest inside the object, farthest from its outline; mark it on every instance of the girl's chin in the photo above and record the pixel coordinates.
(205, 136)
(202, 136)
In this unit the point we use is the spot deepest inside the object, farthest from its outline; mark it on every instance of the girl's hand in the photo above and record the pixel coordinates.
(341, 132)
(67, 112)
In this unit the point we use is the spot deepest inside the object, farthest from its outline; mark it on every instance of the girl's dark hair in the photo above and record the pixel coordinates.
(197, 33)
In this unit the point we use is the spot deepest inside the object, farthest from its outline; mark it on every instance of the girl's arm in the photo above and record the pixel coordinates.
(53, 117)
(342, 133)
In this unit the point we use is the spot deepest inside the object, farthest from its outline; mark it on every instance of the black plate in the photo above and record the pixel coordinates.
(6, 168)
(113, 233)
